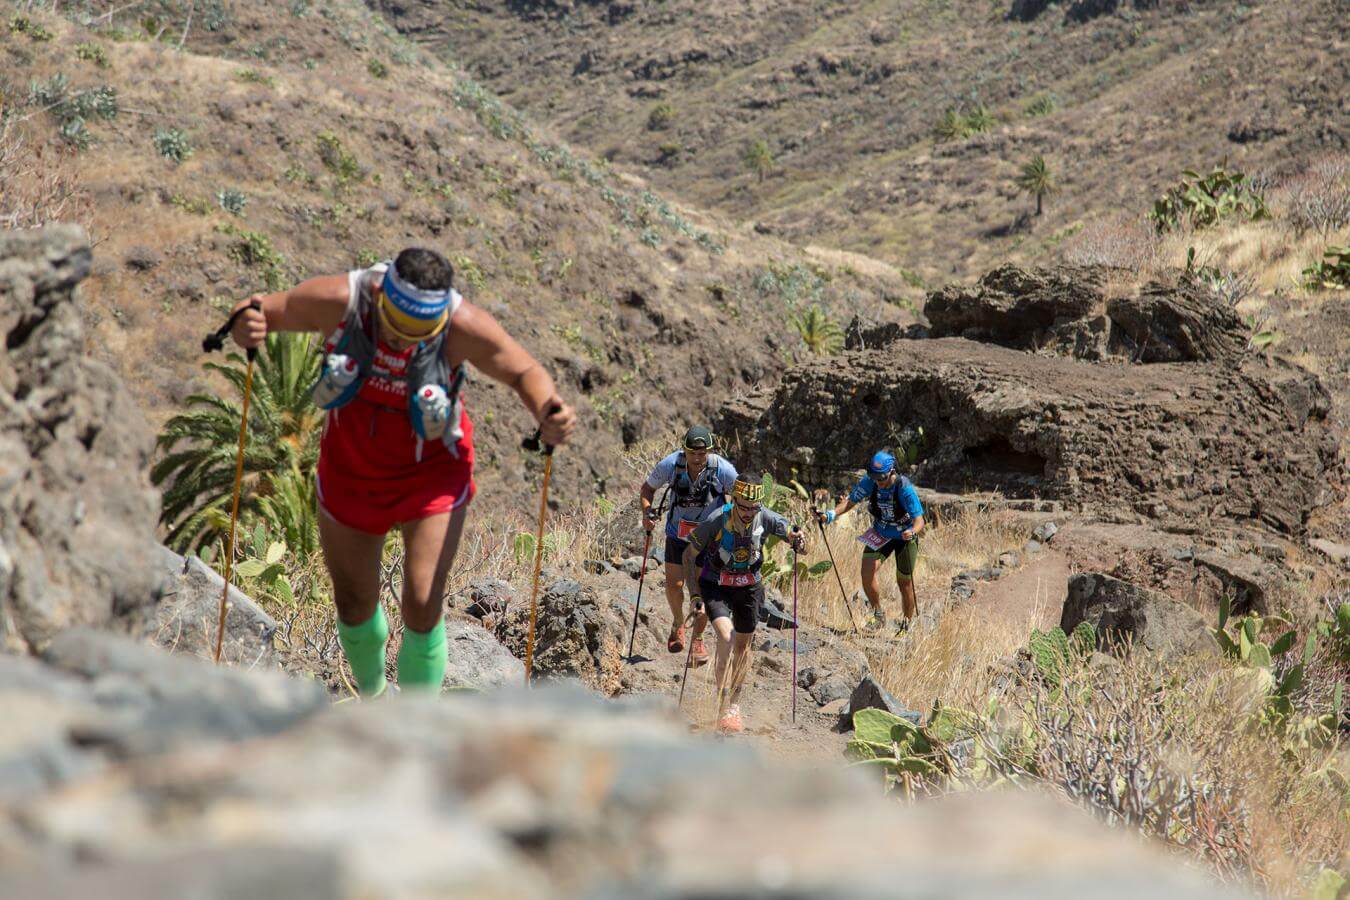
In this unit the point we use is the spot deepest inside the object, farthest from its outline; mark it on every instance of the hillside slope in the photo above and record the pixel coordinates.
(332, 141)
(847, 97)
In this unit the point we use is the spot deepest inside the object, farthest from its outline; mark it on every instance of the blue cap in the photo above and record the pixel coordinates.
(882, 463)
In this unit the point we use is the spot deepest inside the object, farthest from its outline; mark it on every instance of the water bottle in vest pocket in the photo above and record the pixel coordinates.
(338, 382)
(431, 412)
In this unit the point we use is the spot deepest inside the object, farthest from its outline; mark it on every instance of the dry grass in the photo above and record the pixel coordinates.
(1170, 749)
(39, 182)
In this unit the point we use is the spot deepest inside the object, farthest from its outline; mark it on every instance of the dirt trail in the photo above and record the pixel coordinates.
(1032, 593)
(1035, 591)
(767, 697)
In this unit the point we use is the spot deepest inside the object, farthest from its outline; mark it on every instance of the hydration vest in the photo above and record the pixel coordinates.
(426, 366)
(693, 493)
(897, 516)
(736, 552)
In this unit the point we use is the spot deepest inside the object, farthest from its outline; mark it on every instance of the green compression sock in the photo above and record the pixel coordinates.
(364, 646)
(421, 659)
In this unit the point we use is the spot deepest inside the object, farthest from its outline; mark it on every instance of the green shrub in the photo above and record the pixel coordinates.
(1042, 105)
(366, 258)
(75, 133)
(336, 158)
(253, 76)
(194, 205)
(172, 144)
(377, 68)
(1203, 200)
(25, 25)
(957, 125)
(254, 250)
(661, 116)
(1331, 273)
(470, 271)
(232, 201)
(91, 52)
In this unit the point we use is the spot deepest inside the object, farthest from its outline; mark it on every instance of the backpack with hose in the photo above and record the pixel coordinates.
(433, 389)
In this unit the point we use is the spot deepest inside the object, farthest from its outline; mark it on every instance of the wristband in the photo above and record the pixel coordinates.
(829, 517)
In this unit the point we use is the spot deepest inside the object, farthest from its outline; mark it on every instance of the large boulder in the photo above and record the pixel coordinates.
(1169, 443)
(77, 512)
(578, 634)
(1123, 613)
(1083, 312)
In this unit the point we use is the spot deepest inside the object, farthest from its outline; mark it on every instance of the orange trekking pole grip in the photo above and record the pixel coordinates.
(215, 341)
(533, 444)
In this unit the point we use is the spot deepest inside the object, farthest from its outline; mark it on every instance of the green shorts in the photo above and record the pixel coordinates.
(906, 555)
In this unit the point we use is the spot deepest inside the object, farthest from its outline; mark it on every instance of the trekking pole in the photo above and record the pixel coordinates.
(533, 445)
(833, 565)
(646, 548)
(215, 341)
(688, 657)
(796, 626)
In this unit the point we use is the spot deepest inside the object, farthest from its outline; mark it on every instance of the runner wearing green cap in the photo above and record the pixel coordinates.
(699, 481)
(897, 519)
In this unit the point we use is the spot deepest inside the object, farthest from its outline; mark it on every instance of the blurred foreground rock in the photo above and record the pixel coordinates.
(515, 794)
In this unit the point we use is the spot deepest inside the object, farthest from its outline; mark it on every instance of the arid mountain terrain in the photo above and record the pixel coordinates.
(848, 98)
(339, 143)
(822, 228)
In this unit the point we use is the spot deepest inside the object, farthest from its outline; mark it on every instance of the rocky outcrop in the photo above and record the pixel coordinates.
(1125, 615)
(548, 792)
(477, 661)
(77, 512)
(1170, 443)
(189, 614)
(1079, 311)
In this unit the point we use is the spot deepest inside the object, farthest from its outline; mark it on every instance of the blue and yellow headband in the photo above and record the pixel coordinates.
(412, 311)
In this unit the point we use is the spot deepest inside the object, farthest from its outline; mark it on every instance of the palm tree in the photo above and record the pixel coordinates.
(1035, 179)
(759, 159)
(818, 331)
(282, 443)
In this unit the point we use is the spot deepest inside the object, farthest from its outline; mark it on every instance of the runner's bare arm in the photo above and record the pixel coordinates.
(478, 339)
(317, 304)
(690, 569)
(914, 528)
(645, 497)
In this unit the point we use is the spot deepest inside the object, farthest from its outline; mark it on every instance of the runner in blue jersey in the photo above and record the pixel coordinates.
(700, 482)
(897, 519)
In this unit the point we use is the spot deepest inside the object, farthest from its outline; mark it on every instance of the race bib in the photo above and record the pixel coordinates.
(685, 528)
(736, 579)
(874, 540)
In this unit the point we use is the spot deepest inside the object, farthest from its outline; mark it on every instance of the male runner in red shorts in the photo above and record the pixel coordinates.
(387, 461)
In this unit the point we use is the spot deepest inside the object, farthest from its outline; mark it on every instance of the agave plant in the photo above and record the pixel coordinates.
(199, 446)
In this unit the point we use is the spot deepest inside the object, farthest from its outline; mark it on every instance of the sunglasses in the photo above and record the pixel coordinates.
(747, 508)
